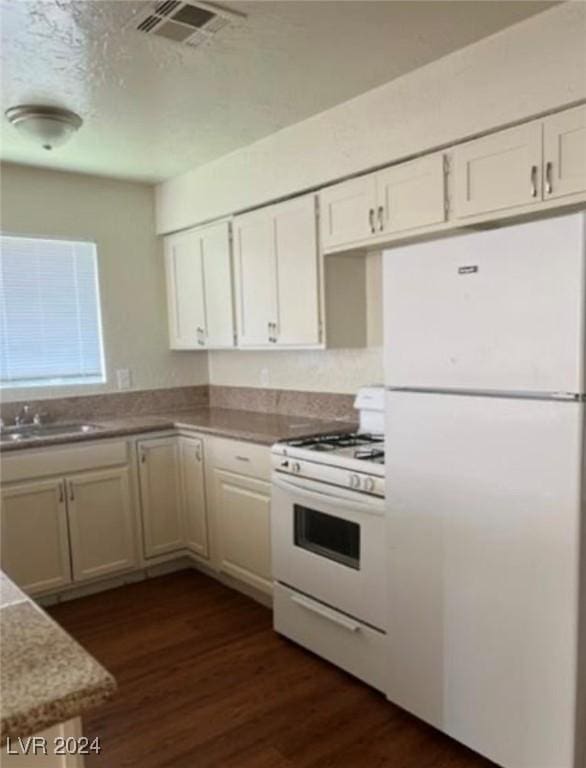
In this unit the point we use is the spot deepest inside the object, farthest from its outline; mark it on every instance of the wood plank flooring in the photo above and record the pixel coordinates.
(204, 682)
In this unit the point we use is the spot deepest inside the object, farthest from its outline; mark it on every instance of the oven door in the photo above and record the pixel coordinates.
(329, 544)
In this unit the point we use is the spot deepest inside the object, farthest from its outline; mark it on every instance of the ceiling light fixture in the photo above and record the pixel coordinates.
(48, 126)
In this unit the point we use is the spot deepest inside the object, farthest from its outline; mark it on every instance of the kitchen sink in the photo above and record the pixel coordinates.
(38, 431)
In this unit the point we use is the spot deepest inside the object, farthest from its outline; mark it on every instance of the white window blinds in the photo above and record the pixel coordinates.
(50, 326)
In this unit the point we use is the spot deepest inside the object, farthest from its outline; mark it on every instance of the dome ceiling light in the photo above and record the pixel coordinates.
(48, 126)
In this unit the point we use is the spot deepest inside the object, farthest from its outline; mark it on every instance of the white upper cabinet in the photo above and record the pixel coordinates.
(498, 172)
(277, 275)
(348, 212)
(183, 264)
(374, 208)
(199, 288)
(298, 279)
(564, 152)
(218, 294)
(411, 195)
(256, 278)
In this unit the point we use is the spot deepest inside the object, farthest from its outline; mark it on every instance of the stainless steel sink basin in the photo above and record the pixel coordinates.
(38, 431)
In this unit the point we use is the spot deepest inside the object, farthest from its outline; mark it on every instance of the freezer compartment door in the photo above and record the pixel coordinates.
(483, 535)
(501, 309)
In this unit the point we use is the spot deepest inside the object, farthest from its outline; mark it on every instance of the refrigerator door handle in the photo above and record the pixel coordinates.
(570, 397)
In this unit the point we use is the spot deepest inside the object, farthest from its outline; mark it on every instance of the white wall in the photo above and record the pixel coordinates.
(531, 67)
(119, 217)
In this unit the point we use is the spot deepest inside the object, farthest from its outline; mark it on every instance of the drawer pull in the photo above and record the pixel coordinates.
(326, 613)
(242, 458)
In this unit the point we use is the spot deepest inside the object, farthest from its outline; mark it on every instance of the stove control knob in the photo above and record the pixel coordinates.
(285, 463)
(296, 467)
(369, 485)
(354, 481)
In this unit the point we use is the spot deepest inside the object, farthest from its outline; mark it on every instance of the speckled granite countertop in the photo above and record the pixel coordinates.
(252, 426)
(46, 677)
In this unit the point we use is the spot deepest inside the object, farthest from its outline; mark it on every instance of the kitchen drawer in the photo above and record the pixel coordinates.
(242, 458)
(345, 642)
(62, 460)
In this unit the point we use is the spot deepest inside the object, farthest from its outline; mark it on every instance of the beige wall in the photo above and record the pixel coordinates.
(330, 370)
(119, 217)
(536, 65)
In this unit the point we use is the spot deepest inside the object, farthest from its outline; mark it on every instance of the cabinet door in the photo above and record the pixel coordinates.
(101, 523)
(193, 495)
(411, 195)
(348, 212)
(256, 289)
(564, 151)
(217, 270)
(35, 543)
(297, 272)
(160, 493)
(242, 508)
(499, 171)
(185, 290)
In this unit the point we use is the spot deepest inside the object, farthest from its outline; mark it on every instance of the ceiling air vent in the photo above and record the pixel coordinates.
(183, 21)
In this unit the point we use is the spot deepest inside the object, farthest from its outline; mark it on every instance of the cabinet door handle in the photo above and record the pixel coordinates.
(549, 177)
(142, 456)
(61, 492)
(198, 452)
(533, 181)
(381, 221)
(371, 220)
(71, 492)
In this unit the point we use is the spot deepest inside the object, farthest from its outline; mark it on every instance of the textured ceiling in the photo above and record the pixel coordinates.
(153, 108)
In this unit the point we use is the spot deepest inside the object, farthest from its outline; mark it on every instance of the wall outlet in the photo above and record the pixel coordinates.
(123, 378)
(264, 377)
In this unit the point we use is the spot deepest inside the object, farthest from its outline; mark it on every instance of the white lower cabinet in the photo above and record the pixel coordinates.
(160, 494)
(242, 507)
(35, 546)
(101, 523)
(173, 495)
(70, 528)
(81, 525)
(193, 495)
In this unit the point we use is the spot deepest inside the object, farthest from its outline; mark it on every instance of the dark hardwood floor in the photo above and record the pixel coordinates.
(205, 682)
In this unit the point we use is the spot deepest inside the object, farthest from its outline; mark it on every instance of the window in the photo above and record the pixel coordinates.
(50, 325)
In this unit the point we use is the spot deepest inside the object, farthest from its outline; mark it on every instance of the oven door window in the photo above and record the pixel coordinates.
(328, 536)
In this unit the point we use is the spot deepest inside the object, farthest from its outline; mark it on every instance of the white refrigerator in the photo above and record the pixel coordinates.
(484, 370)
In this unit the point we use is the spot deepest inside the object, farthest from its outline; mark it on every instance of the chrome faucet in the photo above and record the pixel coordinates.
(25, 417)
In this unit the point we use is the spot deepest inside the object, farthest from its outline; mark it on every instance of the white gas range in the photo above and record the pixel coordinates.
(351, 460)
(328, 542)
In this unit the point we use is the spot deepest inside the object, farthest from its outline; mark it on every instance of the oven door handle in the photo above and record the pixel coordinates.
(326, 613)
(376, 506)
